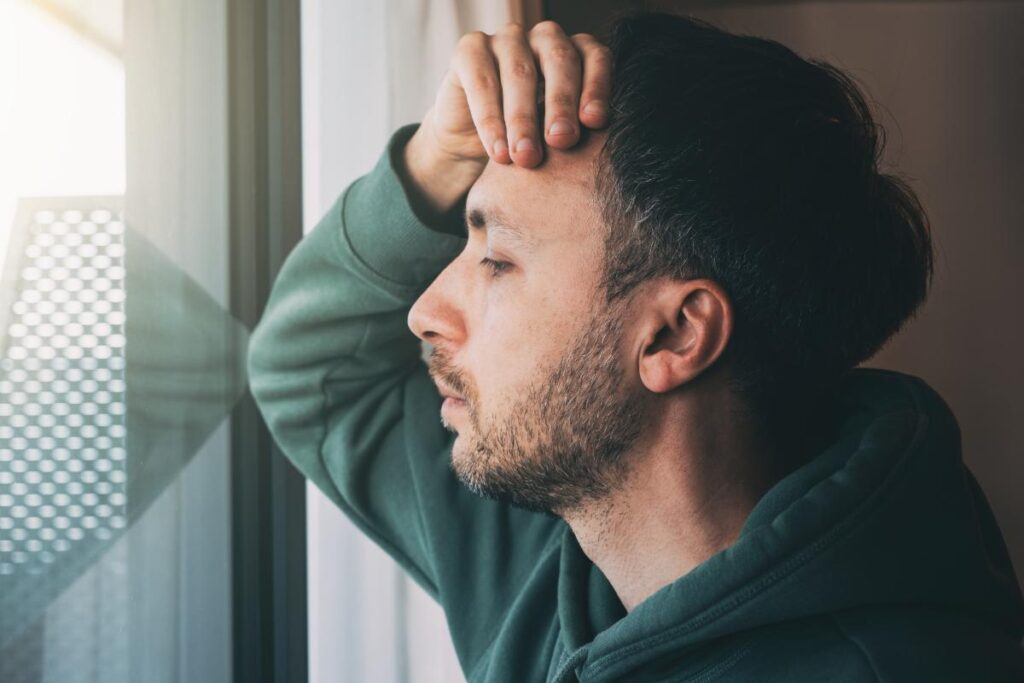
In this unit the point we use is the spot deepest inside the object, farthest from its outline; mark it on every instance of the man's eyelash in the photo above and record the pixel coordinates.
(496, 267)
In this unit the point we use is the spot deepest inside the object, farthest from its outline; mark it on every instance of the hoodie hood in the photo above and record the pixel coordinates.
(886, 514)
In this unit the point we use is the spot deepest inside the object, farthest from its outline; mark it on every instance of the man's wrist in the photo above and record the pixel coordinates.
(437, 181)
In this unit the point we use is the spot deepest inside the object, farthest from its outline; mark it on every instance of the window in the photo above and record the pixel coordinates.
(145, 527)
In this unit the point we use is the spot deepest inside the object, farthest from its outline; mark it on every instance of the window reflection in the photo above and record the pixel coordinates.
(62, 396)
(119, 365)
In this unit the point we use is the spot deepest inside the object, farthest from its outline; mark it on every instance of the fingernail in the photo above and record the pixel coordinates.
(561, 127)
(525, 145)
(595, 108)
(499, 147)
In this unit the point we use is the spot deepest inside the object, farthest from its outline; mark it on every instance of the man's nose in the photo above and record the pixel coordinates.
(436, 315)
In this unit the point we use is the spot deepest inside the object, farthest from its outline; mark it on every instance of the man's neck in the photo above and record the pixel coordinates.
(691, 488)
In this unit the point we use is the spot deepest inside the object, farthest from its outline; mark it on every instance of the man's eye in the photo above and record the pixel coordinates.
(496, 267)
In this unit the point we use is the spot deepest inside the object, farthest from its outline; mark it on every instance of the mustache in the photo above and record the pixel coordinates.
(440, 368)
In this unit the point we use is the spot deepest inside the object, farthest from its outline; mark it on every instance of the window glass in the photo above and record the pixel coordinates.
(119, 364)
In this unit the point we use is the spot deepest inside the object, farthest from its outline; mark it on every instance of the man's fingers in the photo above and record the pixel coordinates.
(473, 65)
(597, 70)
(560, 64)
(506, 77)
(519, 94)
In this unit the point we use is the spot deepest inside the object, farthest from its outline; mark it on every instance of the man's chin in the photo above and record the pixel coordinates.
(463, 447)
(467, 461)
(460, 449)
(465, 470)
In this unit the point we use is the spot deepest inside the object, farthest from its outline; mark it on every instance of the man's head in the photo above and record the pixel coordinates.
(730, 229)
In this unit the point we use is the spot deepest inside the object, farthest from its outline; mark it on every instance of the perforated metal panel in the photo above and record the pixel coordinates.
(63, 449)
(62, 391)
(79, 467)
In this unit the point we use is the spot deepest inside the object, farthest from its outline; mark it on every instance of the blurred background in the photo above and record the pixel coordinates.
(158, 160)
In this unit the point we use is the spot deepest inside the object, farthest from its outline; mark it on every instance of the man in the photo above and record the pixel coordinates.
(656, 459)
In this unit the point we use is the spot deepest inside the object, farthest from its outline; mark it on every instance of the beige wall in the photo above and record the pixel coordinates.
(949, 77)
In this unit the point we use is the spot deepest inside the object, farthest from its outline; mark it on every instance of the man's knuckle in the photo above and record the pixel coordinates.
(491, 121)
(563, 101)
(563, 54)
(601, 54)
(522, 69)
(472, 40)
(482, 80)
(546, 28)
(522, 119)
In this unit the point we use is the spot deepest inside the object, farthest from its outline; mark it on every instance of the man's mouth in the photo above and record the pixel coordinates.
(451, 404)
(451, 399)
(447, 393)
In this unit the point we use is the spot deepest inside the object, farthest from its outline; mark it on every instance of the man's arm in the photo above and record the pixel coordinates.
(338, 374)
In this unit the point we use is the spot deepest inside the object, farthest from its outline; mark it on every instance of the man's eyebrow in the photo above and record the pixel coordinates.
(493, 220)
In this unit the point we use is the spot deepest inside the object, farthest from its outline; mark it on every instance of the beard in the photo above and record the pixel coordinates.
(561, 443)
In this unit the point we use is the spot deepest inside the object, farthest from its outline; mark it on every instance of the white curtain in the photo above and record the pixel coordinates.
(368, 68)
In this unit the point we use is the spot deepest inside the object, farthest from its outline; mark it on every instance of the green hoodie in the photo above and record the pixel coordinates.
(878, 560)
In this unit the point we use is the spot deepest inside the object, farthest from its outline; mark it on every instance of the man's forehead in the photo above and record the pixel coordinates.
(574, 166)
(521, 202)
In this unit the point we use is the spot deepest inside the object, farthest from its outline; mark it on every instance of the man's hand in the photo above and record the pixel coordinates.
(488, 106)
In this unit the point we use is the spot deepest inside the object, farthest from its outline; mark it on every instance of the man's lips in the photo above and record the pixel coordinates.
(452, 401)
(447, 393)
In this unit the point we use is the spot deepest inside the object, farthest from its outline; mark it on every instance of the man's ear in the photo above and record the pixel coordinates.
(684, 328)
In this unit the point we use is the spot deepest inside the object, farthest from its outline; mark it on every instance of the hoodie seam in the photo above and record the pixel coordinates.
(714, 671)
(857, 646)
(791, 564)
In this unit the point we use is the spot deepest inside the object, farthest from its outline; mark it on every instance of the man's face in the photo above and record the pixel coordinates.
(550, 405)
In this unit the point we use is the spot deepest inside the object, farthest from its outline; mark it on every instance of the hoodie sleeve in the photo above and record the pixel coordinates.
(340, 380)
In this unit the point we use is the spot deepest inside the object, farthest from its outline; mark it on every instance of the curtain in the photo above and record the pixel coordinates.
(368, 68)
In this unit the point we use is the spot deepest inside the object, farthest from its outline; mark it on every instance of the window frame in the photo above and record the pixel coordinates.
(268, 499)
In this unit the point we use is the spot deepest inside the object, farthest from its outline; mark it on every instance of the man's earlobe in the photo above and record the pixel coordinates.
(688, 327)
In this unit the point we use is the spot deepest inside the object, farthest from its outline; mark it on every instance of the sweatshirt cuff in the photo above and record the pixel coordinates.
(382, 228)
